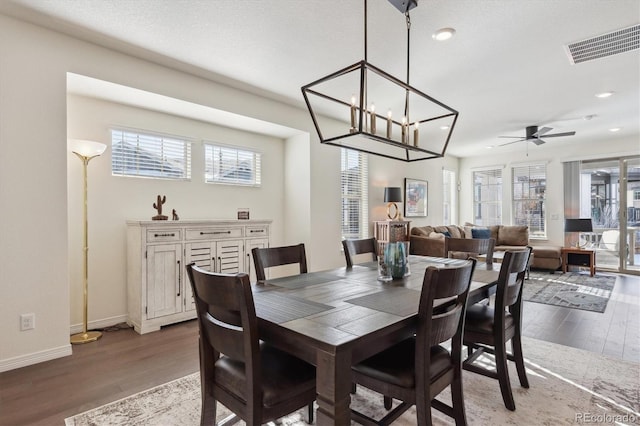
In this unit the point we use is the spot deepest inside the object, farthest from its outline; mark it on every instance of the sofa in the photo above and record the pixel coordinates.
(430, 241)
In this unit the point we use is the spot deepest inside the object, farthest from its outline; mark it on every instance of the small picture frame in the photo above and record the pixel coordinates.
(415, 197)
(243, 213)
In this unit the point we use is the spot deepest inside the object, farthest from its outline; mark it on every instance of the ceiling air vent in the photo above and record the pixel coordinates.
(604, 45)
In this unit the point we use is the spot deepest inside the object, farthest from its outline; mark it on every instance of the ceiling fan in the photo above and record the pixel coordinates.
(533, 134)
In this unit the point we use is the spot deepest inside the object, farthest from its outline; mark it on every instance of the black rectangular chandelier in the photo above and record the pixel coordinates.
(362, 107)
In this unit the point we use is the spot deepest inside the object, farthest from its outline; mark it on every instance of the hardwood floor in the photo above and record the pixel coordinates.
(123, 362)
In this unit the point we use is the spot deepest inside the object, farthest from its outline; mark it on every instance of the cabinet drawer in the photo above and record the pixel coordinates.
(257, 231)
(213, 233)
(162, 235)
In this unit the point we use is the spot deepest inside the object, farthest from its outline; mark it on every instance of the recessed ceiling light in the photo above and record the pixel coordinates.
(444, 127)
(489, 146)
(604, 94)
(615, 129)
(443, 34)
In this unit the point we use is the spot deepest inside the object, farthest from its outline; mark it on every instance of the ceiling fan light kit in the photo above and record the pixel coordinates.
(382, 114)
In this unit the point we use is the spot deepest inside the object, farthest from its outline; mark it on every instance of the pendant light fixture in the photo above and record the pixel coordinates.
(364, 108)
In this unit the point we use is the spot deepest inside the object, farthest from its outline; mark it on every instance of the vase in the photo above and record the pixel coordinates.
(395, 257)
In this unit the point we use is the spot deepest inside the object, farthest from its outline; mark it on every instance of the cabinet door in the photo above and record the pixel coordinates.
(164, 280)
(204, 256)
(251, 244)
(229, 256)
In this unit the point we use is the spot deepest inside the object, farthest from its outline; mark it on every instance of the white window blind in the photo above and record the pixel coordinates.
(449, 196)
(231, 165)
(529, 189)
(487, 197)
(149, 155)
(355, 194)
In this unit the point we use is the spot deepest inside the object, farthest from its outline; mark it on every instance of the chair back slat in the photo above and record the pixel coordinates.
(470, 247)
(353, 248)
(511, 278)
(226, 312)
(264, 258)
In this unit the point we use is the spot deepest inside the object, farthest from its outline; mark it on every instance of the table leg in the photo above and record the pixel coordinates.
(333, 386)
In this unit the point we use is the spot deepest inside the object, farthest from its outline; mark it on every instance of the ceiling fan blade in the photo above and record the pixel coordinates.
(538, 141)
(542, 131)
(509, 143)
(517, 137)
(555, 135)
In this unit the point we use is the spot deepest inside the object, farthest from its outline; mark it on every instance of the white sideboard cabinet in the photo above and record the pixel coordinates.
(158, 288)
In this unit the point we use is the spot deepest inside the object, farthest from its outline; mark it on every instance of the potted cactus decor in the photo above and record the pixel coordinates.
(158, 206)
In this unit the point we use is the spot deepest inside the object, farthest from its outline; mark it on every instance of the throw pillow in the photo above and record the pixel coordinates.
(482, 233)
(437, 235)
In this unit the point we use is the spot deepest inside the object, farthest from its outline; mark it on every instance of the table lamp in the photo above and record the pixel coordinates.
(392, 195)
(578, 225)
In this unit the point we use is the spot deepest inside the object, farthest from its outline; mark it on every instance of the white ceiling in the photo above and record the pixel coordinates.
(505, 69)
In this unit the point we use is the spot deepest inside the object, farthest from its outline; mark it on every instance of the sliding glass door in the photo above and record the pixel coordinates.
(615, 211)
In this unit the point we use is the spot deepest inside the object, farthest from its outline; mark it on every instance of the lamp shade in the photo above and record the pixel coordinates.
(86, 148)
(392, 194)
(578, 225)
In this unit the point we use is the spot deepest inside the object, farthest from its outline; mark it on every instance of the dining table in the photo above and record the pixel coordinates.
(336, 318)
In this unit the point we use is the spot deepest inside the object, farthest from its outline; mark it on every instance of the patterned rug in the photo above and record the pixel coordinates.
(571, 290)
(567, 386)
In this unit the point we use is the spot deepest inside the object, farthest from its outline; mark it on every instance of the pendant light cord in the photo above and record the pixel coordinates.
(406, 100)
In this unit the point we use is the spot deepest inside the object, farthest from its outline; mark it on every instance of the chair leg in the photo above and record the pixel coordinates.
(423, 412)
(516, 348)
(457, 399)
(310, 413)
(388, 403)
(208, 411)
(503, 375)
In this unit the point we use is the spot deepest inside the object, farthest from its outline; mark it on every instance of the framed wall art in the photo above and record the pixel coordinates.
(415, 198)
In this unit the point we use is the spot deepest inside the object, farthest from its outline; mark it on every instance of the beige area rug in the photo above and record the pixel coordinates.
(568, 386)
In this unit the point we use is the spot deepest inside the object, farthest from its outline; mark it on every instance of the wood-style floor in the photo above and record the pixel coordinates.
(123, 362)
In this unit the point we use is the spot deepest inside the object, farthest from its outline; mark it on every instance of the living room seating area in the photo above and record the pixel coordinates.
(430, 240)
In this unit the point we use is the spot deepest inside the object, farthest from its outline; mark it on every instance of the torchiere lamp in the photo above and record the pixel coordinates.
(578, 225)
(85, 150)
(392, 195)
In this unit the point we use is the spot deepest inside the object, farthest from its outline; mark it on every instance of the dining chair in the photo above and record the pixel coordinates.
(488, 329)
(352, 248)
(417, 369)
(463, 248)
(269, 257)
(251, 378)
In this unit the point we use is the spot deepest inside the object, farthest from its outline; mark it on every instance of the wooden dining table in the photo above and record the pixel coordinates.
(336, 318)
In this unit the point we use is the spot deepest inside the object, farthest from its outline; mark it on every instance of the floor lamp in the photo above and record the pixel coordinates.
(85, 150)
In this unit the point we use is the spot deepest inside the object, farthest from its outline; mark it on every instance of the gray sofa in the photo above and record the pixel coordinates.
(429, 241)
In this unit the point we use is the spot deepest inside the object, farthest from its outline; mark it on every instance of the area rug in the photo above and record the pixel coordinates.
(567, 386)
(571, 290)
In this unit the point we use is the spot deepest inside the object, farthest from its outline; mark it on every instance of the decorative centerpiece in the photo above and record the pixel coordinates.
(393, 263)
(158, 206)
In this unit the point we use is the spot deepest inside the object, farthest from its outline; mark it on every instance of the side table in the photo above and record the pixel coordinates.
(575, 256)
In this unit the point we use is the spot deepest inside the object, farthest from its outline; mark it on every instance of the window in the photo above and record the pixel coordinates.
(230, 165)
(449, 196)
(355, 194)
(529, 188)
(487, 197)
(149, 155)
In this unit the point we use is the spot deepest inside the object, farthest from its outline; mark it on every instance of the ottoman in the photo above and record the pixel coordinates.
(546, 257)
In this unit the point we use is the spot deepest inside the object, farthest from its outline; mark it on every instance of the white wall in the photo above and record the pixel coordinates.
(113, 199)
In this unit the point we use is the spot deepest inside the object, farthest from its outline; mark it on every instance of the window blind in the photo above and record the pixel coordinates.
(149, 155)
(529, 189)
(355, 194)
(487, 196)
(231, 165)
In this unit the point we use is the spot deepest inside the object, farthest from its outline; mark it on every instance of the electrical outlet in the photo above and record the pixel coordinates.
(27, 322)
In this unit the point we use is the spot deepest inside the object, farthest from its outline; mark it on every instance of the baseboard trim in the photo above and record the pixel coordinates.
(99, 324)
(35, 358)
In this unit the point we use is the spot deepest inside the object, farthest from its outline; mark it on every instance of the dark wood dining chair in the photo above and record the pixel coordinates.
(488, 329)
(269, 257)
(251, 378)
(464, 248)
(416, 370)
(352, 248)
